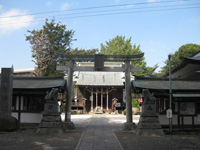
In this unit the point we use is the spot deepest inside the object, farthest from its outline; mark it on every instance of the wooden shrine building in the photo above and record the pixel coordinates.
(185, 92)
(100, 89)
(29, 96)
(185, 98)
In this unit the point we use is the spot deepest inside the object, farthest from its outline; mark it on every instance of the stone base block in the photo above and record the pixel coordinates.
(149, 126)
(68, 125)
(8, 123)
(149, 132)
(129, 126)
(51, 123)
(48, 124)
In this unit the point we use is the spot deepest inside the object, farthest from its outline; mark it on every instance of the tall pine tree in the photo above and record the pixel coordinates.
(122, 46)
(53, 37)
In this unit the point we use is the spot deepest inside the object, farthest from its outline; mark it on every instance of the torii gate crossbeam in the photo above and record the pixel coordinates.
(99, 66)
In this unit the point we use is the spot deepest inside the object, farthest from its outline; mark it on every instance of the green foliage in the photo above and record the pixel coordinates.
(187, 50)
(124, 111)
(121, 46)
(55, 38)
(150, 70)
(74, 113)
(135, 103)
(77, 51)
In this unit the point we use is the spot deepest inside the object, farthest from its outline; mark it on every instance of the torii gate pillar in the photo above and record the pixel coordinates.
(68, 123)
(128, 125)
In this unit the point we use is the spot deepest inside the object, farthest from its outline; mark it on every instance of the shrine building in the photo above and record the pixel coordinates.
(99, 90)
(185, 93)
(28, 97)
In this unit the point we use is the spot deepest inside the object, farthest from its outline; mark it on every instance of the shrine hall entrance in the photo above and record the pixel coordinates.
(100, 99)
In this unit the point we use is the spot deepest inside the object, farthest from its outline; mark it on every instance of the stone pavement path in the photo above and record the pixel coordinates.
(98, 135)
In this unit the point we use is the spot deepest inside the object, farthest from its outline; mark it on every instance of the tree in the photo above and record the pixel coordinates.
(77, 51)
(42, 58)
(187, 50)
(150, 71)
(121, 46)
(52, 38)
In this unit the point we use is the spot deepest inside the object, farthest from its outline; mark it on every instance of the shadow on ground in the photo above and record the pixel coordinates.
(28, 139)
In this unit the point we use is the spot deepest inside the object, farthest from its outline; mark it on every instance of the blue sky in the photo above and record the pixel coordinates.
(160, 27)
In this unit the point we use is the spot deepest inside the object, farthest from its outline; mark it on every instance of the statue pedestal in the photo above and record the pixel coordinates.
(149, 125)
(51, 122)
(149, 122)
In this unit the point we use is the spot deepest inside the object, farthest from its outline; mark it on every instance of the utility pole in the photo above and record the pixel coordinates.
(170, 95)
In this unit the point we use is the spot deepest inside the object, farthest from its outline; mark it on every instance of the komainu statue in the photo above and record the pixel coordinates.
(52, 95)
(148, 97)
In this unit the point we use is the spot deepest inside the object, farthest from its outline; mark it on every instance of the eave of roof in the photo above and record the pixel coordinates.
(163, 84)
(38, 82)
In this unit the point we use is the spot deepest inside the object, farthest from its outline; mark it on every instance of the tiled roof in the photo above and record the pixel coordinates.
(163, 84)
(100, 79)
(37, 82)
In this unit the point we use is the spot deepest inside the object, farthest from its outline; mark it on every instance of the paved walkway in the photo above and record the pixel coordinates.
(98, 134)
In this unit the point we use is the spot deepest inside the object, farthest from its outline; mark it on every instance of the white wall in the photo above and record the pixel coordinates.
(29, 117)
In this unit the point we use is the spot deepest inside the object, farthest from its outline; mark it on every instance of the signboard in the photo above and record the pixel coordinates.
(169, 113)
(187, 109)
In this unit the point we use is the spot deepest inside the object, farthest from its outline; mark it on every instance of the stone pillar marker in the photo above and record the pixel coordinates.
(7, 122)
(6, 91)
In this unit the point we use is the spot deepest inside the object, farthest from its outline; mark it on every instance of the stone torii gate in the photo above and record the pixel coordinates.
(99, 66)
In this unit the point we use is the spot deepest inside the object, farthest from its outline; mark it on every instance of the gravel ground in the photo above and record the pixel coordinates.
(177, 141)
(27, 139)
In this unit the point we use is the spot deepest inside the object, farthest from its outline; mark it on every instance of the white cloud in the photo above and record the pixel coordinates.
(1, 7)
(9, 23)
(65, 6)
